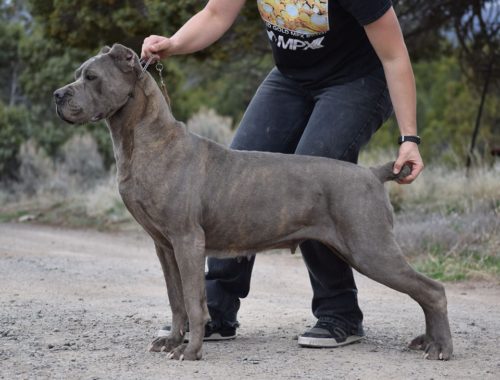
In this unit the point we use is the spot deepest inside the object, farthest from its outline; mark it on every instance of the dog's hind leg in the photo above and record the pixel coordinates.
(176, 300)
(189, 253)
(381, 260)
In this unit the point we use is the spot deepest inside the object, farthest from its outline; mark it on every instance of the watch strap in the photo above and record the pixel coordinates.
(414, 139)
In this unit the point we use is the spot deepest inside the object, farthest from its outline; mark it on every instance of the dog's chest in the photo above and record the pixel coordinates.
(138, 199)
(150, 205)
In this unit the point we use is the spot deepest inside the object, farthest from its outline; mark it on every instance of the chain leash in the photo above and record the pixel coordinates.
(159, 68)
(163, 87)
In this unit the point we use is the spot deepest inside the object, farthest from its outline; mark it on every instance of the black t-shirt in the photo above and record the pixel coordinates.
(317, 41)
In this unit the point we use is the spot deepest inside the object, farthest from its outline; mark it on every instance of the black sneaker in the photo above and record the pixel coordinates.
(331, 332)
(213, 331)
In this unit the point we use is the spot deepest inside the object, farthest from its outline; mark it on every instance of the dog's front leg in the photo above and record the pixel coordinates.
(176, 300)
(189, 253)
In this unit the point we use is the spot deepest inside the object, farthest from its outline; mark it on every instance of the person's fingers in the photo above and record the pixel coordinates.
(416, 169)
(144, 47)
(151, 46)
(408, 155)
(407, 180)
(398, 165)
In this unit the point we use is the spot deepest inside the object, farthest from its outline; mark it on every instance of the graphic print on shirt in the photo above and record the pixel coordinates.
(295, 24)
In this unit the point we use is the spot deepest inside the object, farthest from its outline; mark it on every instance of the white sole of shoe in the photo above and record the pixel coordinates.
(306, 341)
(213, 337)
(217, 336)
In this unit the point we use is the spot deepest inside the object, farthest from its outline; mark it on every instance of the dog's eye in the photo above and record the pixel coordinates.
(90, 76)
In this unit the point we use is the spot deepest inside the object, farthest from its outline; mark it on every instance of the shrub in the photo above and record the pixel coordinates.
(207, 123)
(36, 169)
(81, 162)
(78, 168)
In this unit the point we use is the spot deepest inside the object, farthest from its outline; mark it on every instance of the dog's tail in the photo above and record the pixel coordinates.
(385, 172)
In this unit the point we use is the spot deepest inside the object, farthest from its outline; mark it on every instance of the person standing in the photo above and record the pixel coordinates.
(341, 68)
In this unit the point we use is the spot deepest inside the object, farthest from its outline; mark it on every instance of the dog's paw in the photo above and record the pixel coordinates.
(420, 342)
(433, 350)
(437, 351)
(184, 352)
(162, 344)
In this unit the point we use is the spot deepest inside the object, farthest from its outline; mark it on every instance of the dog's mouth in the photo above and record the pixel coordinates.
(72, 112)
(74, 109)
(97, 117)
(61, 115)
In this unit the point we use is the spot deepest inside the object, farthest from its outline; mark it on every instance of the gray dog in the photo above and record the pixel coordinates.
(196, 198)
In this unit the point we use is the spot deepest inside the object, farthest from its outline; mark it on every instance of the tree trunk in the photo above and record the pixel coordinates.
(478, 118)
(13, 86)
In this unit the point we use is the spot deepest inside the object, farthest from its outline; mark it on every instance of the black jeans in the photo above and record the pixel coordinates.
(331, 121)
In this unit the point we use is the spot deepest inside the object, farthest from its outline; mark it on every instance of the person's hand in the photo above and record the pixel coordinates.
(409, 154)
(157, 47)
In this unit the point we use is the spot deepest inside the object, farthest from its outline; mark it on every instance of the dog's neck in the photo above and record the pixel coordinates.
(145, 122)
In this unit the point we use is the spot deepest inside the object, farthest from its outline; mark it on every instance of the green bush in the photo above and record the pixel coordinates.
(446, 112)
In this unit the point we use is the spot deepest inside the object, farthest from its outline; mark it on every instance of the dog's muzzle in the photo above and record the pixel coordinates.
(60, 96)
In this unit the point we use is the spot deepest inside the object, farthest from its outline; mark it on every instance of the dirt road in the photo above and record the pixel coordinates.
(85, 305)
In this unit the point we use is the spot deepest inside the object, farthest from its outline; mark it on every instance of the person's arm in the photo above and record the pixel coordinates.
(202, 30)
(387, 39)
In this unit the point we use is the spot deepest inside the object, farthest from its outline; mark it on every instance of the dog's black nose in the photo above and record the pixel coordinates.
(59, 95)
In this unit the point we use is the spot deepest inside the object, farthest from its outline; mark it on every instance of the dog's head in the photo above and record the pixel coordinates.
(103, 85)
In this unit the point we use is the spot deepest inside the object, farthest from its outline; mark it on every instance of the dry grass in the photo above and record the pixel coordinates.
(74, 190)
(448, 224)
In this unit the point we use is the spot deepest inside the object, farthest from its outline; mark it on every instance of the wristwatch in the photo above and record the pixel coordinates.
(414, 139)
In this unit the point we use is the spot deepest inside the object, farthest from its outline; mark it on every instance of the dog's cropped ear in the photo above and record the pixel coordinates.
(105, 50)
(124, 58)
